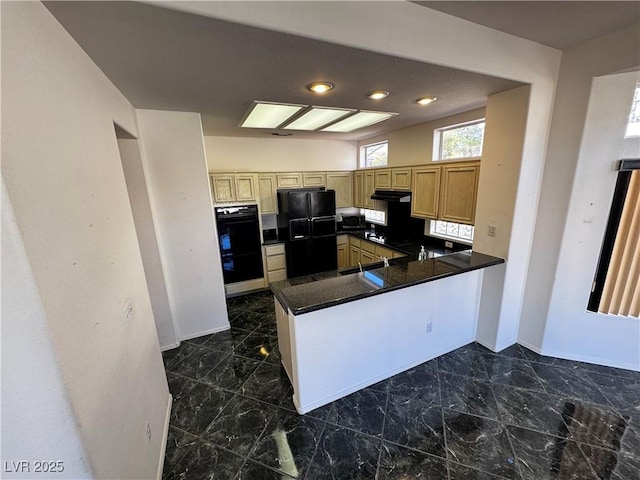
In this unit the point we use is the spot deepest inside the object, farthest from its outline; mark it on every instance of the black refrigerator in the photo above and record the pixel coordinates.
(307, 223)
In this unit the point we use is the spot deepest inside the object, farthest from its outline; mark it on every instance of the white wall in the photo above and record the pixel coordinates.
(506, 118)
(279, 154)
(147, 240)
(176, 167)
(35, 406)
(64, 179)
(608, 54)
(605, 339)
(414, 145)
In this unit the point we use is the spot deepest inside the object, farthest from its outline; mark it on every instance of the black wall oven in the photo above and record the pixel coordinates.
(239, 241)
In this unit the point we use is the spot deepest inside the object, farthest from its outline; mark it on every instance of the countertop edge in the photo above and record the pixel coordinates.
(299, 311)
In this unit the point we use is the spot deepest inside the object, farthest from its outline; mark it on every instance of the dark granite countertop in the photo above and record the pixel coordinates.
(408, 247)
(318, 291)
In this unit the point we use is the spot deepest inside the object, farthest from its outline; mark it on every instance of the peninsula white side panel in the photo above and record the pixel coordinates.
(339, 350)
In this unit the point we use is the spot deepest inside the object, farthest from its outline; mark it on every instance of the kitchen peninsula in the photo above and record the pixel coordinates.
(340, 333)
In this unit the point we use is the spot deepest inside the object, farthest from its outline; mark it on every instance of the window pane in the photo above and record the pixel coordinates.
(462, 142)
(633, 127)
(454, 231)
(375, 216)
(376, 155)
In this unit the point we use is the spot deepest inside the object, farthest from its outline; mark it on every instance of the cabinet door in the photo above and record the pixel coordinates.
(426, 191)
(369, 247)
(367, 257)
(343, 260)
(354, 255)
(267, 192)
(342, 183)
(458, 192)
(383, 179)
(245, 187)
(223, 187)
(383, 252)
(358, 189)
(314, 179)
(401, 179)
(369, 189)
(289, 180)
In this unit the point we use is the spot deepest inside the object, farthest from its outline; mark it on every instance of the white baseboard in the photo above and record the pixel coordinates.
(165, 437)
(169, 347)
(531, 347)
(593, 360)
(302, 409)
(208, 332)
(495, 348)
(241, 287)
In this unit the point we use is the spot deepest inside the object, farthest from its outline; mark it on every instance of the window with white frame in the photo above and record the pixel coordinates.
(375, 155)
(633, 127)
(459, 141)
(374, 216)
(450, 230)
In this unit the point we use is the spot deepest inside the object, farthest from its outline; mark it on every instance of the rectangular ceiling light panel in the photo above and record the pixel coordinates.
(270, 115)
(359, 120)
(317, 117)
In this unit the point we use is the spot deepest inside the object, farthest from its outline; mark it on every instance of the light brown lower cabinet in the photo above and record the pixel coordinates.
(343, 251)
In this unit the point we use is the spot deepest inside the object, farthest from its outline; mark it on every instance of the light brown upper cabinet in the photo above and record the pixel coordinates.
(233, 187)
(358, 189)
(289, 180)
(459, 191)
(401, 179)
(426, 192)
(369, 188)
(342, 183)
(314, 179)
(446, 192)
(383, 179)
(268, 193)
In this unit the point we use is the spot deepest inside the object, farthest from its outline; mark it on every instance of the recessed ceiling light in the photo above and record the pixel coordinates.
(317, 117)
(320, 87)
(269, 115)
(359, 120)
(377, 94)
(425, 100)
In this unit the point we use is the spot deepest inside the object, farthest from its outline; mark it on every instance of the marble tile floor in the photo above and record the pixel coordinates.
(467, 415)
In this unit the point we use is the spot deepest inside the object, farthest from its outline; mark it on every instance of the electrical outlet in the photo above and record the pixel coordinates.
(429, 327)
(147, 432)
(448, 244)
(127, 313)
(492, 230)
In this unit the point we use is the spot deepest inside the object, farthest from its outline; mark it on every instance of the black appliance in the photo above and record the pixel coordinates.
(401, 226)
(392, 196)
(239, 240)
(307, 223)
(353, 222)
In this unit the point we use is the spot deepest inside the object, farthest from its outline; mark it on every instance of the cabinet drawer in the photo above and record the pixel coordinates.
(368, 247)
(274, 249)
(275, 262)
(277, 276)
(383, 252)
(315, 179)
(354, 242)
(289, 180)
(342, 239)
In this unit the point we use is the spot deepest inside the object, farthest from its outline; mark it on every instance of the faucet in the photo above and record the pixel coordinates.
(360, 267)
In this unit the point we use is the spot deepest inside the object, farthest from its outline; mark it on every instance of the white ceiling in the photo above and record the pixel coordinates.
(170, 60)
(557, 24)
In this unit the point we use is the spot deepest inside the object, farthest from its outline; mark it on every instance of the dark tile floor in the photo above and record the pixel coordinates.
(470, 414)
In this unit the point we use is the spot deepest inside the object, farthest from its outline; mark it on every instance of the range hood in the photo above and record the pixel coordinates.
(392, 196)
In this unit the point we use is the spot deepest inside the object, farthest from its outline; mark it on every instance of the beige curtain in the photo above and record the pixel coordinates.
(621, 294)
